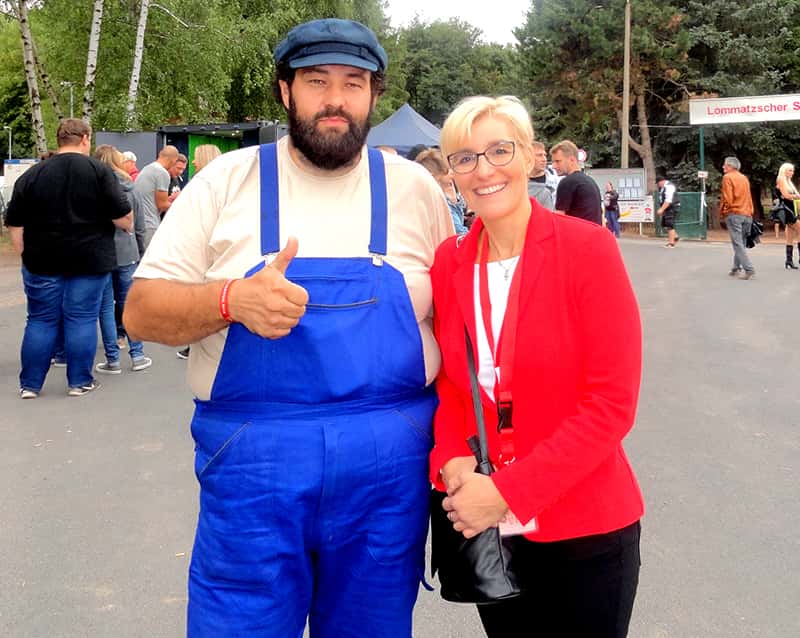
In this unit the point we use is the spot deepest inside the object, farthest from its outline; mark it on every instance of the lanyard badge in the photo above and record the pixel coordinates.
(503, 354)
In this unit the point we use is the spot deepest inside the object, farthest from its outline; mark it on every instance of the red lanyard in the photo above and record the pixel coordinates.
(504, 353)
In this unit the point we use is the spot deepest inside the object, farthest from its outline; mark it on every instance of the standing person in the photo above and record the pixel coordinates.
(567, 400)
(152, 190)
(203, 154)
(789, 194)
(61, 220)
(577, 195)
(668, 208)
(130, 165)
(176, 178)
(433, 161)
(611, 208)
(736, 209)
(318, 506)
(542, 183)
(116, 290)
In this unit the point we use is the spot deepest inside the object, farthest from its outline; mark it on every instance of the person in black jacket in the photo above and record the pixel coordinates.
(611, 207)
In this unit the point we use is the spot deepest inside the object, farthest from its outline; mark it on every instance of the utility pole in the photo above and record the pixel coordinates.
(71, 86)
(626, 87)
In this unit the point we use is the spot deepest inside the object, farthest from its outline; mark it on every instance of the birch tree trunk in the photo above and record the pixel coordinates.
(29, 63)
(91, 61)
(48, 86)
(138, 53)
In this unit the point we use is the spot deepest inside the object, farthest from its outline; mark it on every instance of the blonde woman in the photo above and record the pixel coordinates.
(116, 292)
(203, 155)
(789, 194)
(561, 468)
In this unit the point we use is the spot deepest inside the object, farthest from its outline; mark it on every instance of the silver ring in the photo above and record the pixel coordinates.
(450, 516)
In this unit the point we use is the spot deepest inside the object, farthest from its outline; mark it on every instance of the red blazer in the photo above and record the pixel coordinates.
(577, 369)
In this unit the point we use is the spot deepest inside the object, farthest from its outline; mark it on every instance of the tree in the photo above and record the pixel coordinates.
(138, 52)
(91, 61)
(572, 59)
(447, 61)
(19, 10)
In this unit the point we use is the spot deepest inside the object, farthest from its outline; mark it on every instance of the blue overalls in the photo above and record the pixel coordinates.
(312, 455)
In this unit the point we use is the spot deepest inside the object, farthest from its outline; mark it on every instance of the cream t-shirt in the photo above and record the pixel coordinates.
(212, 232)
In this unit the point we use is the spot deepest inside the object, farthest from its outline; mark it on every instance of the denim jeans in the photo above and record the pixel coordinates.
(115, 293)
(612, 221)
(55, 301)
(739, 228)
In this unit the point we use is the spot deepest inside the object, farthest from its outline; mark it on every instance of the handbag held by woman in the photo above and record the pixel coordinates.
(480, 569)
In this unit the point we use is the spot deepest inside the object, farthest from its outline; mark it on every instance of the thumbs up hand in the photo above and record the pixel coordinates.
(267, 303)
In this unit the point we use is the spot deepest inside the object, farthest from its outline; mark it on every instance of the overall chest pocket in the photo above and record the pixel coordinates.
(343, 292)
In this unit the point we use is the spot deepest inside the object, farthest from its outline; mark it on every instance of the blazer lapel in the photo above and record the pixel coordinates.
(464, 278)
(540, 228)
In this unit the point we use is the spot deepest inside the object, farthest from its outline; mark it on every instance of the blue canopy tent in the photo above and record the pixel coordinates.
(403, 129)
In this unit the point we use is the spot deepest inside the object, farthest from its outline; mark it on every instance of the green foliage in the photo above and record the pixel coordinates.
(446, 61)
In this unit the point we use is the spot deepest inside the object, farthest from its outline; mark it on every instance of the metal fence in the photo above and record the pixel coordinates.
(692, 219)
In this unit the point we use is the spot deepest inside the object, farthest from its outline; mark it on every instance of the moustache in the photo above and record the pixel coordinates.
(333, 112)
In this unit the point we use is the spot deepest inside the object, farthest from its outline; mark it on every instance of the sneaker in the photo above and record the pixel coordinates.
(733, 272)
(27, 394)
(183, 354)
(747, 274)
(109, 367)
(58, 363)
(79, 391)
(142, 363)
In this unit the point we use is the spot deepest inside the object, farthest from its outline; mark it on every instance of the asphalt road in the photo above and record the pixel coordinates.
(98, 498)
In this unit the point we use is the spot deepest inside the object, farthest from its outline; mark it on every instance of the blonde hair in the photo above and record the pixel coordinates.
(203, 155)
(786, 166)
(567, 148)
(458, 126)
(113, 158)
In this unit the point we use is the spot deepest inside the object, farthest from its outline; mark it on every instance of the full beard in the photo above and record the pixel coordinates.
(332, 149)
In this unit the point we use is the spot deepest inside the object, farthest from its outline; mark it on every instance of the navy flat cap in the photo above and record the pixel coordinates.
(331, 41)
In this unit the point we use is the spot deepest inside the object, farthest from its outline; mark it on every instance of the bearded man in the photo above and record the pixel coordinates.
(301, 271)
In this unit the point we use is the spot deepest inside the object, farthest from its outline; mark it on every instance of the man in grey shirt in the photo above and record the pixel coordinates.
(151, 188)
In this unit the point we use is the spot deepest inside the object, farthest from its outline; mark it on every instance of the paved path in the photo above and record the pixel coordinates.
(98, 499)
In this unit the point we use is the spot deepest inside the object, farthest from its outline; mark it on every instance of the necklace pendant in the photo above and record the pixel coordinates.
(506, 274)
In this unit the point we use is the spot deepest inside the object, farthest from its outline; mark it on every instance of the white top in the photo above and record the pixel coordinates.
(212, 232)
(500, 275)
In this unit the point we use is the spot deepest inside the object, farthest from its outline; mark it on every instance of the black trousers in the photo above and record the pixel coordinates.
(577, 588)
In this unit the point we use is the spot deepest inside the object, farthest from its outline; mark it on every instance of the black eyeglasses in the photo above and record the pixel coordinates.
(498, 154)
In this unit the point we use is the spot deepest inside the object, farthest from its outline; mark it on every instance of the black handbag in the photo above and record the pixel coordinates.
(480, 569)
(754, 236)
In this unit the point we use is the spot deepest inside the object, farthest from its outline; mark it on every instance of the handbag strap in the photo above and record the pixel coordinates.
(484, 466)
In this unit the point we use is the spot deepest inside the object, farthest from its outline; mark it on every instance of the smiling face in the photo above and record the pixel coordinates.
(495, 192)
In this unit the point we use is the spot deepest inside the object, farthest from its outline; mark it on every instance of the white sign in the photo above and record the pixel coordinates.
(641, 210)
(582, 155)
(762, 108)
(630, 184)
(12, 169)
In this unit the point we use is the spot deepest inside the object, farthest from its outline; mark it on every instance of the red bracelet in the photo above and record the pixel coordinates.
(224, 307)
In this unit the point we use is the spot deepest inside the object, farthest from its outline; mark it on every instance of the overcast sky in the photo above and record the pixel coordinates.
(496, 19)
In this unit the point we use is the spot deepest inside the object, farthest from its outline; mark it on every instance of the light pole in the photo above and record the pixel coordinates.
(71, 85)
(8, 128)
(626, 87)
